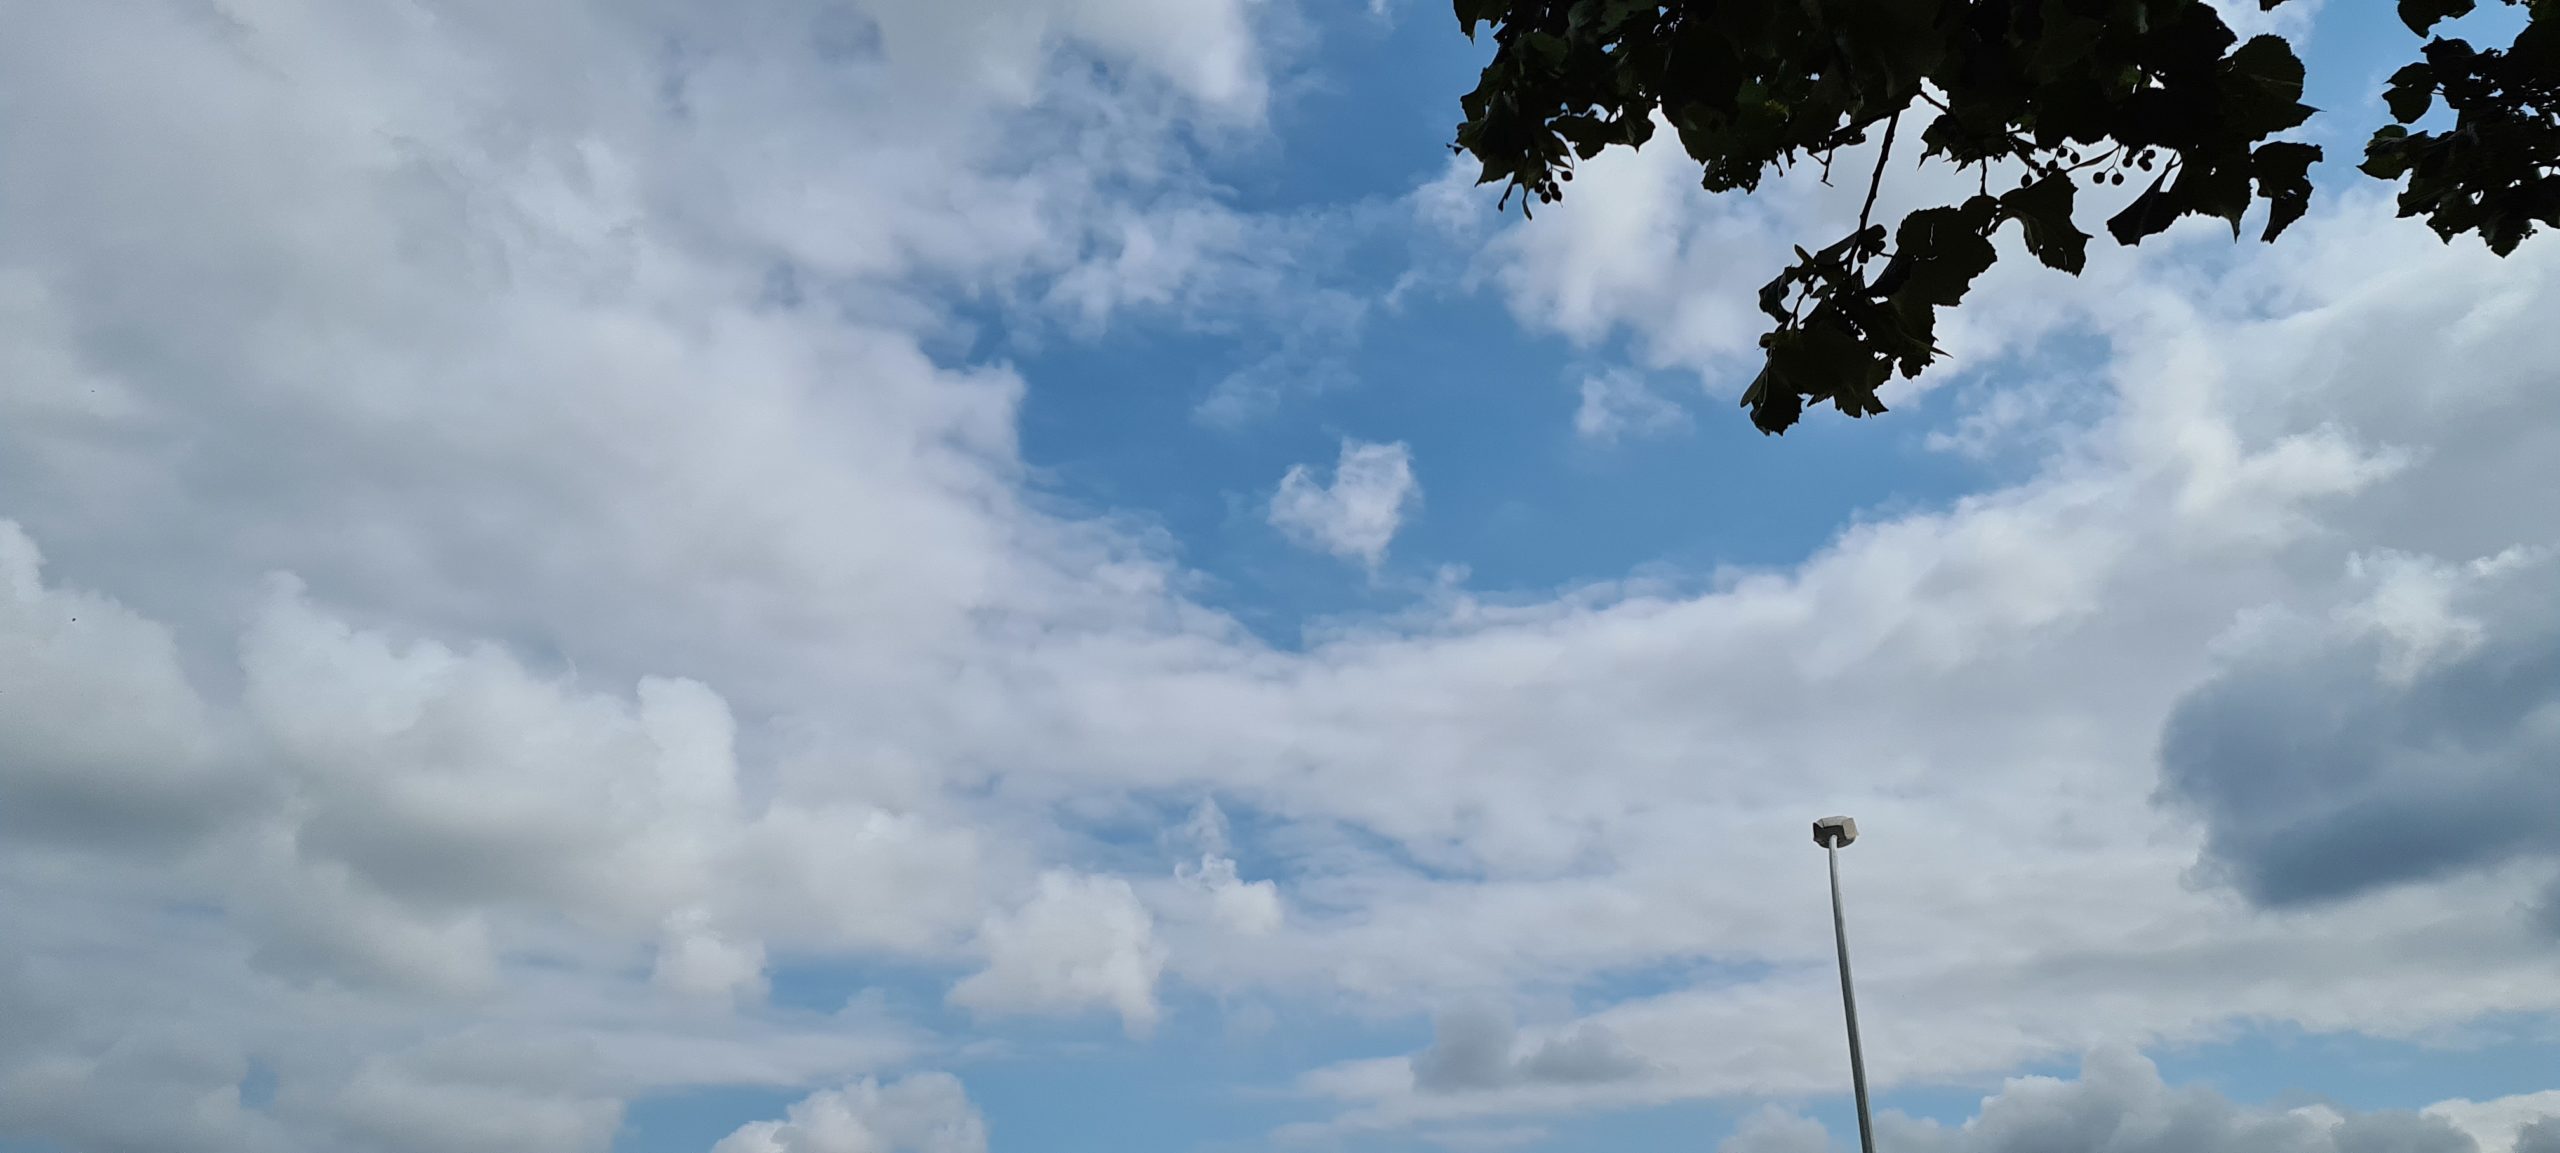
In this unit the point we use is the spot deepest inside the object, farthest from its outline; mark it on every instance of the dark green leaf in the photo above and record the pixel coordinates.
(1546, 48)
(2043, 210)
(2214, 191)
(1946, 249)
(2263, 87)
(2386, 156)
(2411, 93)
(2421, 15)
(2282, 171)
(2148, 215)
(1773, 295)
(1474, 12)
(1775, 409)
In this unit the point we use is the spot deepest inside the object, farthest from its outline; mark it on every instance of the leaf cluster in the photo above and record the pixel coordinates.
(2161, 91)
(2496, 172)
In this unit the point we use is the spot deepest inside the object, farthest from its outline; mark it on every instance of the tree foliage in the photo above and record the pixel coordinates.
(2161, 92)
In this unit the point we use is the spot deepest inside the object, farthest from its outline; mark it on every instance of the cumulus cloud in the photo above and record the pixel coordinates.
(1246, 908)
(435, 791)
(2119, 1104)
(473, 1096)
(104, 737)
(397, 846)
(2400, 736)
(920, 1113)
(1357, 512)
(1251, 908)
(2238, 464)
(1078, 942)
(2525, 1123)
(666, 608)
(1481, 1140)
(586, 345)
(451, 779)
(1480, 1048)
(696, 959)
(1770, 1129)
(153, 1088)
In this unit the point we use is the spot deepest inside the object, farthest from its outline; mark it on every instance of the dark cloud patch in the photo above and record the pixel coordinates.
(2409, 737)
(2120, 1105)
(2541, 1136)
(2546, 912)
(1470, 1049)
(1478, 1048)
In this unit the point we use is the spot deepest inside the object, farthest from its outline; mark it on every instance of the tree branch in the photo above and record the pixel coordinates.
(1877, 180)
(2094, 161)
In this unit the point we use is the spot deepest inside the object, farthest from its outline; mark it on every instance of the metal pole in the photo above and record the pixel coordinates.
(1849, 1005)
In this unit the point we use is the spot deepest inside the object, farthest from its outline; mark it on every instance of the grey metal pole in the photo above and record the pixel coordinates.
(1849, 1004)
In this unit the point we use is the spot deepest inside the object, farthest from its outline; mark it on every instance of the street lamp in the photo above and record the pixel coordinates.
(1831, 833)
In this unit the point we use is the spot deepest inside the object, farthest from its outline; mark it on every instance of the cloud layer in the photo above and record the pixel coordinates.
(2120, 1105)
(2407, 735)
(506, 551)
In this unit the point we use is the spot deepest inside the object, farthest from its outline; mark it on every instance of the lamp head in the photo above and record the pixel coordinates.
(1835, 832)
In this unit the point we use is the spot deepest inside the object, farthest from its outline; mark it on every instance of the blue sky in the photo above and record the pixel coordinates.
(1048, 575)
(1525, 505)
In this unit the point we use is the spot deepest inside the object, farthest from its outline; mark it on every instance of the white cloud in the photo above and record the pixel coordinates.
(499, 259)
(696, 960)
(1770, 1129)
(154, 1088)
(1078, 942)
(2411, 608)
(2042, 415)
(1210, 890)
(1357, 513)
(2120, 1105)
(922, 1113)
(104, 737)
(1619, 403)
(1480, 1140)
(1908, 624)
(2497, 1123)
(1251, 908)
(445, 1107)
(2390, 740)
(459, 778)
(653, 628)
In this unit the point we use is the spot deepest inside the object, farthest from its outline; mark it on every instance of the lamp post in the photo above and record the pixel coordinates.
(1831, 833)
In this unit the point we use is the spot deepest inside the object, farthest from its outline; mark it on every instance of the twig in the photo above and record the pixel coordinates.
(1876, 181)
(2095, 160)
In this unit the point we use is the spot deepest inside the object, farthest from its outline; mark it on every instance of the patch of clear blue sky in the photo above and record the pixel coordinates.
(1514, 496)
(1487, 408)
